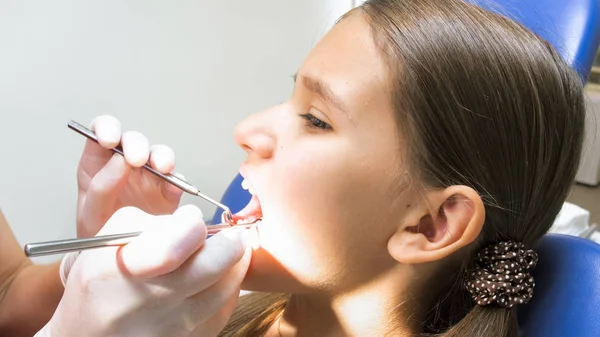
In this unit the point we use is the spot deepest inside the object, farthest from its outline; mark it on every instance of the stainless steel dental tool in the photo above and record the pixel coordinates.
(76, 245)
(70, 245)
(227, 217)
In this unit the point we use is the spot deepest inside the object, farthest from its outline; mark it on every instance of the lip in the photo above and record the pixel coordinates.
(252, 212)
(243, 171)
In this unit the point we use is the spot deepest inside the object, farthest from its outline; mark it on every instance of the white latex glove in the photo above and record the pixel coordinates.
(168, 281)
(107, 182)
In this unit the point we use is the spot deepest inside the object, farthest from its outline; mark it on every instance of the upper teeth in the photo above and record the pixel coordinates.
(246, 186)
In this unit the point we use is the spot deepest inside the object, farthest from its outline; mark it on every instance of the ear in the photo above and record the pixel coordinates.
(445, 221)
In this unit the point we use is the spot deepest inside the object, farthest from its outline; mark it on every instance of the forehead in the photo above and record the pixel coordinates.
(350, 63)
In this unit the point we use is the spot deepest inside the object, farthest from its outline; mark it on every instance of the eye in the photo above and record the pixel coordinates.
(314, 122)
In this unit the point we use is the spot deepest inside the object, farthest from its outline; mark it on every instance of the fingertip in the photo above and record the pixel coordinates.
(162, 158)
(166, 247)
(191, 219)
(128, 219)
(236, 242)
(108, 131)
(136, 148)
(192, 229)
(190, 214)
(246, 257)
(251, 238)
(153, 253)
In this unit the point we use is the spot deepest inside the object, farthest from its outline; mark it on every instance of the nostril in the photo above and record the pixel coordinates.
(255, 136)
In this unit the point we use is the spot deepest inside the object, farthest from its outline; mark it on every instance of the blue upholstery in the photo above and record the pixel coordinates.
(235, 197)
(571, 26)
(567, 293)
(566, 300)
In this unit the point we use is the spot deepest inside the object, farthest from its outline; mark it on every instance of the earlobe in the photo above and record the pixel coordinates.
(448, 220)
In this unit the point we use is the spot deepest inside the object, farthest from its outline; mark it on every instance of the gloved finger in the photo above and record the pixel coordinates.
(95, 153)
(101, 197)
(159, 251)
(136, 148)
(215, 324)
(132, 219)
(209, 264)
(65, 266)
(162, 158)
(170, 191)
(108, 131)
(201, 307)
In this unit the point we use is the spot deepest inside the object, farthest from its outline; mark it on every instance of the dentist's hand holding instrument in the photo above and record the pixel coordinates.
(169, 280)
(108, 181)
(160, 284)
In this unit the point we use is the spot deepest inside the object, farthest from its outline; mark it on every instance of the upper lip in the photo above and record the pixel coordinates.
(248, 181)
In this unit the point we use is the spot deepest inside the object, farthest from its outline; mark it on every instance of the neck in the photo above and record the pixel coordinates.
(376, 309)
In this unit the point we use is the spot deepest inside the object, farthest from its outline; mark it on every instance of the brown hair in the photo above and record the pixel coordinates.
(483, 102)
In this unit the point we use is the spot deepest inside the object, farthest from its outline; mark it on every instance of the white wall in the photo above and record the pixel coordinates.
(589, 169)
(182, 72)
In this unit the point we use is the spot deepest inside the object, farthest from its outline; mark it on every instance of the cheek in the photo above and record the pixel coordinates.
(316, 182)
(306, 189)
(326, 199)
(334, 181)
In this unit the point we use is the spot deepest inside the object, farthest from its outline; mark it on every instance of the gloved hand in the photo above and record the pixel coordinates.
(168, 281)
(108, 182)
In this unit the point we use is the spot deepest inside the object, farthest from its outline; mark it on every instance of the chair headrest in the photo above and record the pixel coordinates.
(571, 26)
(566, 299)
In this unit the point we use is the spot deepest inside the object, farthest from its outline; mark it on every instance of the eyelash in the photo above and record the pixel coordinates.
(314, 122)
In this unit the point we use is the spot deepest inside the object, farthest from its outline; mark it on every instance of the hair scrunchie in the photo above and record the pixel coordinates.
(501, 274)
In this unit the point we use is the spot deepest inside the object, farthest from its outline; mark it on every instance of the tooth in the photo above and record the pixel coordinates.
(251, 190)
(245, 184)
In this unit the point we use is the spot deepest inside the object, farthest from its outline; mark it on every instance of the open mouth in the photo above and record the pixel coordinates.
(252, 212)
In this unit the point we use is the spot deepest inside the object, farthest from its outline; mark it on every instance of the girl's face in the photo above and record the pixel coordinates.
(326, 168)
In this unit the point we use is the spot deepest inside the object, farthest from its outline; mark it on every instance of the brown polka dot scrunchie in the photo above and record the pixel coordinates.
(501, 275)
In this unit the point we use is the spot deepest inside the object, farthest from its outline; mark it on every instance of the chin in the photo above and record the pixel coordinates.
(266, 274)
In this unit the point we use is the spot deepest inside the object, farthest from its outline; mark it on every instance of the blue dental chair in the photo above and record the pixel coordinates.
(567, 293)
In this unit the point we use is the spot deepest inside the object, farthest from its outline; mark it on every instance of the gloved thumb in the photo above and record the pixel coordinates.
(108, 182)
(164, 247)
(101, 196)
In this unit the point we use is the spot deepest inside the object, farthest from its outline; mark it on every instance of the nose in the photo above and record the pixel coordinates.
(256, 136)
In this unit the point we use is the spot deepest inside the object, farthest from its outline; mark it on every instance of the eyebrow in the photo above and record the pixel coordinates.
(323, 91)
